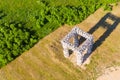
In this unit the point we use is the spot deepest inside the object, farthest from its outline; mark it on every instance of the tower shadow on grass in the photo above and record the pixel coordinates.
(109, 29)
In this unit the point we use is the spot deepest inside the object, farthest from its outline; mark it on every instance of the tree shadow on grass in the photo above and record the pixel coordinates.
(106, 25)
(2, 14)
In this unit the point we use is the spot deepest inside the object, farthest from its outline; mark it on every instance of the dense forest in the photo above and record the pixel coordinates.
(24, 22)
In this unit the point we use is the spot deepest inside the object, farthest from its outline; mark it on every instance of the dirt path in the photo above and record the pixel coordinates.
(112, 73)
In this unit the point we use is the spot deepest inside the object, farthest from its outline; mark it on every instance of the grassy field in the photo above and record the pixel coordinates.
(24, 22)
(45, 61)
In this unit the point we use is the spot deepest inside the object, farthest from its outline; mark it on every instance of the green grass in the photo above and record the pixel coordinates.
(35, 19)
(45, 61)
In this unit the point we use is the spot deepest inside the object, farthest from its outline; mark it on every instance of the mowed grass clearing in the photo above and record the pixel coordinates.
(45, 61)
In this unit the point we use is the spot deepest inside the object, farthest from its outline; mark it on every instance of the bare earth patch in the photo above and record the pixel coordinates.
(112, 73)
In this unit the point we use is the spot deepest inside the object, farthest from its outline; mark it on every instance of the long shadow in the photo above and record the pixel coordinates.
(109, 29)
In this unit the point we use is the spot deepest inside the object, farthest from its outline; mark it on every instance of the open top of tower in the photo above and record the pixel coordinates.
(77, 36)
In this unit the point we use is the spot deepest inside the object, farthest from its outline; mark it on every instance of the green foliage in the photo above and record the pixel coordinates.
(24, 22)
(15, 39)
